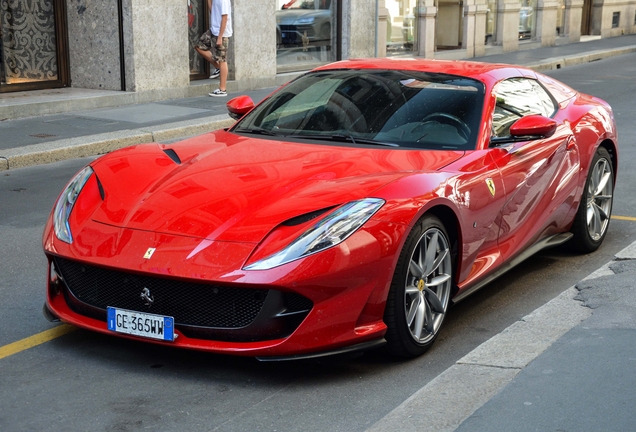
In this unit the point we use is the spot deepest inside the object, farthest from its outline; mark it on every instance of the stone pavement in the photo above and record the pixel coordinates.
(51, 125)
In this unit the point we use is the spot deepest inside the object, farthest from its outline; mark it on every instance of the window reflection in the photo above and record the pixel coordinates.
(401, 25)
(527, 20)
(304, 33)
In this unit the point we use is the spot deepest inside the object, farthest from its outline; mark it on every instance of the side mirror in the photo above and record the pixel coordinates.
(239, 106)
(533, 126)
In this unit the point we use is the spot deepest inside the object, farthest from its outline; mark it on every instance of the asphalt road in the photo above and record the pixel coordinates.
(87, 381)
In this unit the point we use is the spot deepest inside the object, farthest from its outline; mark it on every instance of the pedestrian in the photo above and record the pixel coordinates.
(213, 44)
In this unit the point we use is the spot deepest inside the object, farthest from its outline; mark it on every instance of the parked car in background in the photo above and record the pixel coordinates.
(304, 23)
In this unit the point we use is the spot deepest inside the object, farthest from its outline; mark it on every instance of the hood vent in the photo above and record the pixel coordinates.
(172, 155)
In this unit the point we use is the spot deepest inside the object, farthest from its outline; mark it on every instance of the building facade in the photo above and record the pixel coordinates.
(147, 46)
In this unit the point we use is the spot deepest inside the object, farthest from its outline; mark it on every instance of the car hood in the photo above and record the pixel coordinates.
(225, 187)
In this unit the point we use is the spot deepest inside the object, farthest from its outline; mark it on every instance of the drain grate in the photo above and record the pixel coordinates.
(42, 135)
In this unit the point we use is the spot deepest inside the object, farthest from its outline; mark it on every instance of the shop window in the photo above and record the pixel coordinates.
(304, 33)
(616, 19)
(197, 24)
(560, 30)
(401, 33)
(527, 21)
(491, 22)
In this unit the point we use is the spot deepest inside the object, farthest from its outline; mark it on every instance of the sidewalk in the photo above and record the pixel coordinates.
(568, 366)
(92, 122)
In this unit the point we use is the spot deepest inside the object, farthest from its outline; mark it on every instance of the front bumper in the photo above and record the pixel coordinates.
(326, 302)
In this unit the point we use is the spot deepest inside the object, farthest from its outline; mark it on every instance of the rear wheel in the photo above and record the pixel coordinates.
(420, 289)
(593, 216)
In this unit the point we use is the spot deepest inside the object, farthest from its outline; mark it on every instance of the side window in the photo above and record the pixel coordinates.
(516, 98)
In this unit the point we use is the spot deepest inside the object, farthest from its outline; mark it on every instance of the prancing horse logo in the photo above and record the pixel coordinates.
(491, 186)
(146, 297)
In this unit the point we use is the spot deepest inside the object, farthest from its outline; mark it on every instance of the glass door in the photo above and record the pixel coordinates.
(33, 52)
(198, 22)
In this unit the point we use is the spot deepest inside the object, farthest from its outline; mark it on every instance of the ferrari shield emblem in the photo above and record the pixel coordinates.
(149, 253)
(491, 186)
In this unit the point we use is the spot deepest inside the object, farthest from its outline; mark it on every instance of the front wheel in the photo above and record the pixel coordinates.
(420, 290)
(593, 216)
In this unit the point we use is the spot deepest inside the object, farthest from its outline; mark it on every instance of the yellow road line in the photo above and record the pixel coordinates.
(627, 218)
(37, 339)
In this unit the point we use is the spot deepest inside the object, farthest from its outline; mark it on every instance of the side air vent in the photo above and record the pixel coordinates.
(100, 187)
(172, 155)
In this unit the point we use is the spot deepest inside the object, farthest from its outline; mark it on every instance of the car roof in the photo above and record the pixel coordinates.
(477, 70)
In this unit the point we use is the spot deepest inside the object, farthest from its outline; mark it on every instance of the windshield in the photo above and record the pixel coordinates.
(399, 108)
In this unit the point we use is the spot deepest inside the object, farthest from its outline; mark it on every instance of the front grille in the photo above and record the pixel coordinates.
(205, 311)
(189, 303)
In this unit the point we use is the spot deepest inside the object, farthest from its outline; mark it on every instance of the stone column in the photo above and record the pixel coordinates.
(425, 14)
(252, 52)
(480, 28)
(383, 15)
(573, 17)
(547, 21)
(468, 35)
(155, 45)
(358, 35)
(508, 24)
(474, 34)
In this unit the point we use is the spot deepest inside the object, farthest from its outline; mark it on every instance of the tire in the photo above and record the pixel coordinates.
(595, 209)
(420, 290)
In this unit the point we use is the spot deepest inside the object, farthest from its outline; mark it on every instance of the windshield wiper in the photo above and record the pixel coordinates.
(359, 140)
(257, 131)
(344, 138)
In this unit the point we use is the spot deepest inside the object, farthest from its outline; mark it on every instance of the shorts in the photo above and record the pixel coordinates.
(207, 42)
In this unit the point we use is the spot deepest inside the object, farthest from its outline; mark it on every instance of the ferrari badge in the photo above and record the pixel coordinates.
(491, 186)
(149, 253)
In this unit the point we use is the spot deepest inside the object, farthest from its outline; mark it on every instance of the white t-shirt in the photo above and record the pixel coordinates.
(219, 8)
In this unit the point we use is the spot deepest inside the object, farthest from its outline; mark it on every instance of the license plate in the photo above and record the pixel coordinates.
(141, 324)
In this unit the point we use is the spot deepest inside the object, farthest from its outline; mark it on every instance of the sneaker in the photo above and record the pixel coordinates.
(218, 93)
(215, 73)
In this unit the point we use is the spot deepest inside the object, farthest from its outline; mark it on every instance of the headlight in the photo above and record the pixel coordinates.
(305, 21)
(65, 203)
(328, 232)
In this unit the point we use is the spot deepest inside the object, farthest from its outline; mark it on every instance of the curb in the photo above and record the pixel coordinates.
(478, 376)
(577, 59)
(55, 151)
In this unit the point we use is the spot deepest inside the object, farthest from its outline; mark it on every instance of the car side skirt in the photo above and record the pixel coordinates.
(548, 242)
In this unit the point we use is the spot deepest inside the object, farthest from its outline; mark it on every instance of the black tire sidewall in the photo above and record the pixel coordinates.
(399, 339)
(583, 241)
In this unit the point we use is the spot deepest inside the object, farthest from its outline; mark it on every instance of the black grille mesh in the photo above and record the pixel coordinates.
(189, 303)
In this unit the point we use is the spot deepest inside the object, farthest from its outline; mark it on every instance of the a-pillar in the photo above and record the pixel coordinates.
(426, 12)
(573, 17)
(508, 24)
(547, 21)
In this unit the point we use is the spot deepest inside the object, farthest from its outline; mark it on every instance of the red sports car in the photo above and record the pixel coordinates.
(347, 210)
